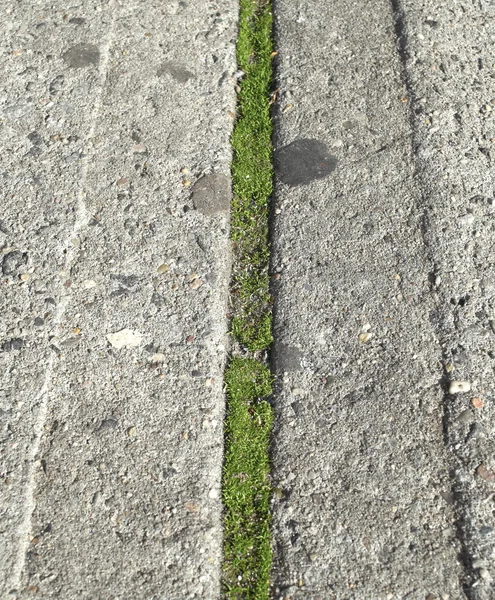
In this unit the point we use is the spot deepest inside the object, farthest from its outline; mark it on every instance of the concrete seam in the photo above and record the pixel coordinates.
(247, 378)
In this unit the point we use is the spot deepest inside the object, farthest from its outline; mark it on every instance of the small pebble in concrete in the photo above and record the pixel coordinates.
(107, 424)
(466, 416)
(477, 402)
(365, 337)
(162, 268)
(139, 149)
(459, 387)
(158, 358)
(196, 284)
(13, 344)
(125, 338)
(485, 473)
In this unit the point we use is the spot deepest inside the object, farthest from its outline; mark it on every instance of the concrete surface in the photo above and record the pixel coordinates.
(449, 54)
(113, 296)
(114, 257)
(384, 480)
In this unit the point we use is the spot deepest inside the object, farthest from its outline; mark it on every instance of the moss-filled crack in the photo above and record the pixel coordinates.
(248, 381)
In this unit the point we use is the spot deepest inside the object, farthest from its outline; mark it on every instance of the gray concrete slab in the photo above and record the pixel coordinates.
(114, 296)
(365, 503)
(449, 58)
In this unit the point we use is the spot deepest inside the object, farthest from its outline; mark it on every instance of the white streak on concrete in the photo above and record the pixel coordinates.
(80, 223)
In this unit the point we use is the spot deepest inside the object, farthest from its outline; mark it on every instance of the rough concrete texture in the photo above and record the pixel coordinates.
(385, 480)
(113, 296)
(449, 57)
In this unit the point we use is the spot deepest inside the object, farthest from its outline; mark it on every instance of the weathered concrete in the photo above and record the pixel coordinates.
(111, 446)
(367, 503)
(115, 119)
(449, 56)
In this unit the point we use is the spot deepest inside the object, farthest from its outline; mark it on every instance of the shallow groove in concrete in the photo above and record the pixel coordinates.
(453, 334)
(427, 231)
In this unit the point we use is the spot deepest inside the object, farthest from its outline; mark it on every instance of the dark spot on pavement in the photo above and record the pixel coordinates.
(126, 280)
(157, 299)
(13, 344)
(56, 84)
(296, 407)
(211, 194)
(77, 21)
(12, 261)
(293, 526)
(82, 55)
(176, 70)
(107, 425)
(4, 229)
(35, 151)
(169, 472)
(70, 342)
(55, 349)
(287, 358)
(35, 138)
(304, 161)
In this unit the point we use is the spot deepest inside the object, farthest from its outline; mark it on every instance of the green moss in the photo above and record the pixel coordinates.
(252, 177)
(248, 382)
(246, 488)
(254, 333)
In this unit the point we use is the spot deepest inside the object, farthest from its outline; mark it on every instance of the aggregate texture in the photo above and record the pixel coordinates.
(114, 291)
(383, 261)
(448, 52)
(115, 121)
